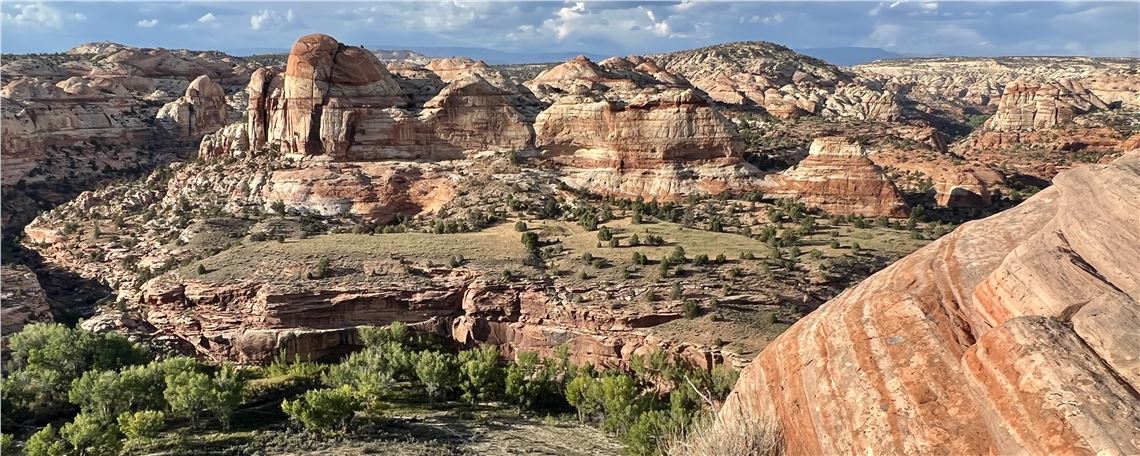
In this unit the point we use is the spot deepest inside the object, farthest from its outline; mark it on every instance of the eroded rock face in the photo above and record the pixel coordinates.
(784, 83)
(1026, 106)
(1011, 335)
(627, 132)
(838, 178)
(343, 103)
(24, 301)
(202, 110)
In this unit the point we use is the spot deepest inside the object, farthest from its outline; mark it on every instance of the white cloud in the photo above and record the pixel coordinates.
(38, 15)
(267, 19)
(208, 18)
(147, 23)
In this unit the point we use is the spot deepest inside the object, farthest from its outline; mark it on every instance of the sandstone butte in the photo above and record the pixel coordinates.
(837, 177)
(1015, 334)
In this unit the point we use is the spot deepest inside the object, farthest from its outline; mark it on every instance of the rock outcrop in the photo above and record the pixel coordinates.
(783, 82)
(1011, 335)
(202, 110)
(625, 132)
(838, 178)
(342, 102)
(24, 301)
(1026, 106)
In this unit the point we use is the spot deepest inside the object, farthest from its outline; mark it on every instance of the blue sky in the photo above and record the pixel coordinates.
(907, 26)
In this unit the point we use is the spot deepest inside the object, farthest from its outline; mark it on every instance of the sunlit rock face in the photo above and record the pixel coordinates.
(838, 178)
(627, 128)
(981, 342)
(342, 102)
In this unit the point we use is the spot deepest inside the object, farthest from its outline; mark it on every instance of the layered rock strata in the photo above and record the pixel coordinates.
(628, 128)
(24, 301)
(1012, 335)
(838, 178)
(1026, 106)
(341, 102)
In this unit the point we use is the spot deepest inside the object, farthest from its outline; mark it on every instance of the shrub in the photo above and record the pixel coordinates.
(141, 425)
(202, 269)
(634, 241)
(45, 442)
(323, 409)
(835, 244)
(91, 435)
(604, 234)
(228, 384)
(530, 241)
(691, 309)
(750, 435)
(437, 372)
(526, 380)
(675, 292)
(649, 432)
(614, 243)
(701, 260)
(188, 394)
(481, 377)
(520, 226)
(278, 207)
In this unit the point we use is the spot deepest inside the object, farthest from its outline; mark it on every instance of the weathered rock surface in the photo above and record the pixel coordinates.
(627, 132)
(24, 301)
(784, 83)
(1012, 335)
(202, 110)
(341, 102)
(1028, 106)
(838, 178)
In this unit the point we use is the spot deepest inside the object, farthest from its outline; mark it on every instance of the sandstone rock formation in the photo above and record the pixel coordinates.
(784, 83)
(1011, 335)
(341, 102)
(202, 110)
(838, 178)
(1028, 106)
(24, 301)
(625, 132)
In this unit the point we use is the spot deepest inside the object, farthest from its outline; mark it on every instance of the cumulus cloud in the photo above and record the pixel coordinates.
(147, 23)
(269, 19)
(37, 15)
(208, 18)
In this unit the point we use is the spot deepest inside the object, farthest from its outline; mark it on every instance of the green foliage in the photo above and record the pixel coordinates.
(278, 207)
(691, 309)
(369, 372)
(530, 241)
(481, 377)
(520, 226)
(92, 435)
(228, 384)
(526, 380)
(46, 442)
(188, 394)
(47, 357)
(323, 409)
(437, 372)
(604, 234)
(648, 433)
(142, 425)
(619, 402)
(8, 444)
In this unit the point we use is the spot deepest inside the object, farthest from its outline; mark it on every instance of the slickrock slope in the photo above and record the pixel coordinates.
(783, 82)
(1015, 334)
(341, 102)
(629, 129)
(23, 300)
(838, 178)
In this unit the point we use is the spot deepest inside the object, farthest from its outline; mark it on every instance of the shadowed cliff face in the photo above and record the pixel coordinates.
(1013, 334)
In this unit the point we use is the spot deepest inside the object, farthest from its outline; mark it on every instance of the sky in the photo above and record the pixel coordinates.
(918, 27)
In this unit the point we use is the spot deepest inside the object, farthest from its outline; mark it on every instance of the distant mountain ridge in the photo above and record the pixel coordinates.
(851, 55)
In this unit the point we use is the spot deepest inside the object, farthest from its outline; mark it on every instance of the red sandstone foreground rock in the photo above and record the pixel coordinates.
(838, 178)
(1012, 335)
